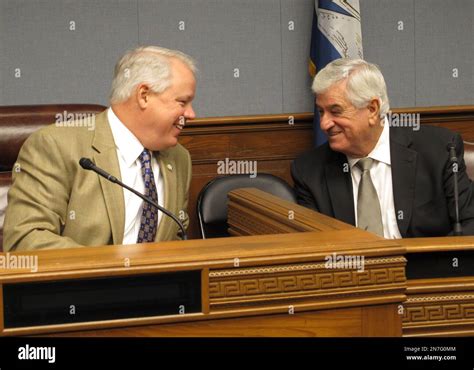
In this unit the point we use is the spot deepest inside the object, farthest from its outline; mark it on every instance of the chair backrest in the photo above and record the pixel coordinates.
(212, 200)
(17, 122)
(5, 183)
(469, 159)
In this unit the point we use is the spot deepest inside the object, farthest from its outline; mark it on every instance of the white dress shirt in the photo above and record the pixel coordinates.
(129, 149)
(381, 174)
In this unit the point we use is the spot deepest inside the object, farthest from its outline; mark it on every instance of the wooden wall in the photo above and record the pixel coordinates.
(274, 141)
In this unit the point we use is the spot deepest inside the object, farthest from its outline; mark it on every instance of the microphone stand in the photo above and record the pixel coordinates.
(87, 164)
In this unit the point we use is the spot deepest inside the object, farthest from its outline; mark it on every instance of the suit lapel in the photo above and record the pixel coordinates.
(403, 177)
(168, 172)
(106, 158)
(339, 184)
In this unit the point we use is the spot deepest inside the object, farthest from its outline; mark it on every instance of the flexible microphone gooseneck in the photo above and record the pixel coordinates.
(87, 164)
(453, 159)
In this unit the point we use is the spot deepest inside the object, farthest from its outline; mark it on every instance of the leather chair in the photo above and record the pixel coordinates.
(212, 200)
(469, 158)
(17, 122)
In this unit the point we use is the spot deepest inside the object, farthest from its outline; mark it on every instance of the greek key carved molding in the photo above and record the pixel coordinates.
(297, 267)
(439, 312)
(303, 282)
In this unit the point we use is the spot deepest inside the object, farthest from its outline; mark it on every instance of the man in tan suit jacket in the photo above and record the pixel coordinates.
(54, 203)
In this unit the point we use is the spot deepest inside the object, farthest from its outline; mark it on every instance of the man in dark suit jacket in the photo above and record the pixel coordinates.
(411, 169)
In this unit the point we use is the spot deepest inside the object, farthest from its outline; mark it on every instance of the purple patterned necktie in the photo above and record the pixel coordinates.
(149, 219)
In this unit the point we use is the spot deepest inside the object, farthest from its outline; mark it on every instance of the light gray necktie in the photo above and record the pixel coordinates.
(369, 216)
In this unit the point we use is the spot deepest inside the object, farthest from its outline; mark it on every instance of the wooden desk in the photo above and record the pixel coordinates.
(440, 294)
(440, 271)
(272, 285)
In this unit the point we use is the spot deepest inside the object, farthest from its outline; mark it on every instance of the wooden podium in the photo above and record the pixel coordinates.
(440, 271)
(265, 285)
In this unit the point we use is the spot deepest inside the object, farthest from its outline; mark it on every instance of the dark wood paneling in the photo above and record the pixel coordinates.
(269, 140)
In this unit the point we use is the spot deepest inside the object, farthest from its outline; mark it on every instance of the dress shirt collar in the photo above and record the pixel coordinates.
(381, 152)
(126, 142)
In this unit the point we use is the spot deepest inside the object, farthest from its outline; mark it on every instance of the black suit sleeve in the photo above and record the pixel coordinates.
(303, 193)
(466, 190)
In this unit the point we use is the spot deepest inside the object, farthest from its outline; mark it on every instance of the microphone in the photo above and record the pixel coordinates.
(87, 164)
(453, 159)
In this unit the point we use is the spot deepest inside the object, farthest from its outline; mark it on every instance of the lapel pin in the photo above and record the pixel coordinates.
(170, 167)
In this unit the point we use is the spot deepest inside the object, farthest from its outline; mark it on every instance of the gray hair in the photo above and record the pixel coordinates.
(364, 82)
(145, 64)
